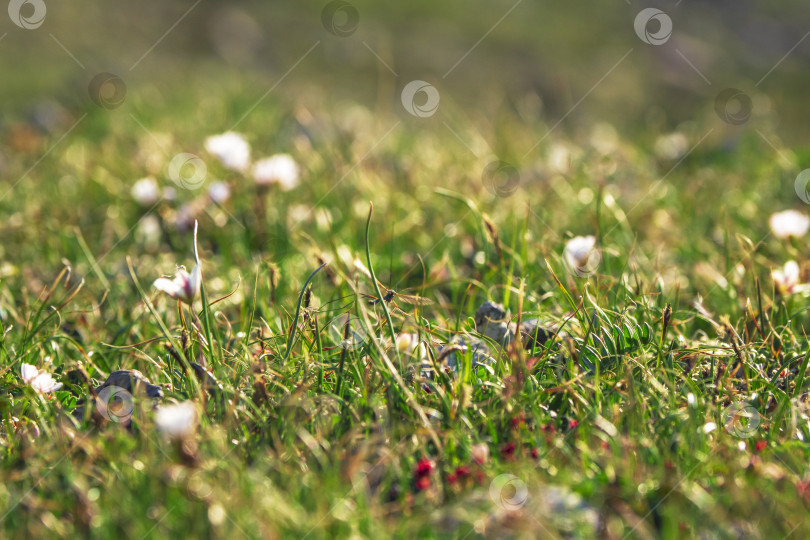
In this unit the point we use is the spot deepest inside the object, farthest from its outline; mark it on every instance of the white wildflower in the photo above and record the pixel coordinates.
(177, 421)
(789, 223)
(219, 192)
(40, 380)
(788, 278)
(146, 191)
(671, 146)
(480, 453)
(581, 255)
(184, 286)
(231, 149)
(280, 169)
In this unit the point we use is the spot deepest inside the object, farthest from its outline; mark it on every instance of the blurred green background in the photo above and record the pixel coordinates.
(536, 58)
(534, 84)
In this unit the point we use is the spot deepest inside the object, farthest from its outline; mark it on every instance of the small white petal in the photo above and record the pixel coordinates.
(792, 271)
(195, 280)
(28, 372)
(169, 286)
(788, 278)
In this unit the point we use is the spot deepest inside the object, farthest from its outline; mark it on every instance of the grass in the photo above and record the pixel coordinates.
(621, 426)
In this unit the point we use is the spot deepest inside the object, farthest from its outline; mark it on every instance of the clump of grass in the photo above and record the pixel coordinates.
(669, 401)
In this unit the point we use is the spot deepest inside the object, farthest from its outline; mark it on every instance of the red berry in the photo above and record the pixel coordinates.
(508, 450)
(423, 483)
(423, 468)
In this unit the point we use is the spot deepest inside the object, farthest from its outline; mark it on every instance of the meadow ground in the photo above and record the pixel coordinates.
(667, 398)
